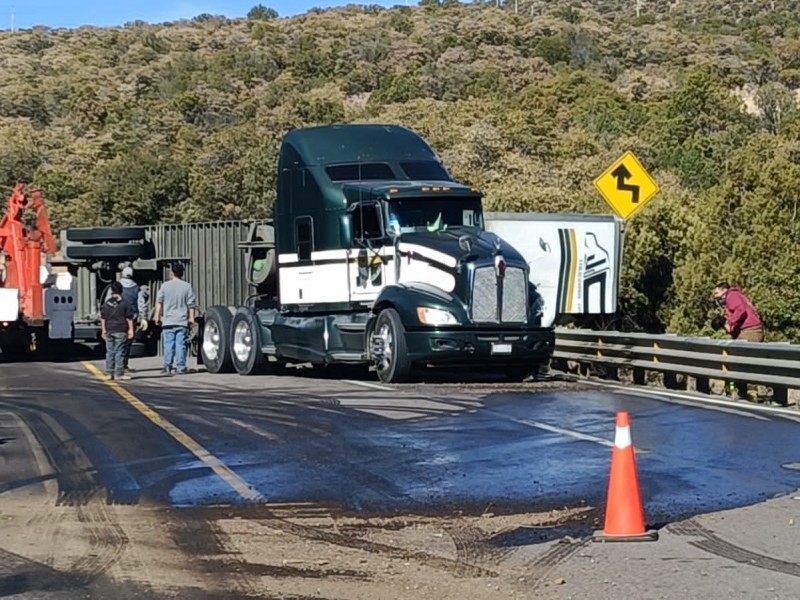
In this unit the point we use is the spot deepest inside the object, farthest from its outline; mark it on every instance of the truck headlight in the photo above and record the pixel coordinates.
(435, 316)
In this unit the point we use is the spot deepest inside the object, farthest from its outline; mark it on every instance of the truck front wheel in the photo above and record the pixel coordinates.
(389, 348)
(246, 354)
(215, 346)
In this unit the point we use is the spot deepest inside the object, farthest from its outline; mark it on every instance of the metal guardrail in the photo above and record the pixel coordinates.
(776, 365)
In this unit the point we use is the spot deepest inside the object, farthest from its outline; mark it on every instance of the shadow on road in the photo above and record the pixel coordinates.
(429, 375)
(58, 353)
(64, 352)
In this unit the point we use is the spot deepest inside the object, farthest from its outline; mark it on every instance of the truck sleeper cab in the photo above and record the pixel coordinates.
(377, 256)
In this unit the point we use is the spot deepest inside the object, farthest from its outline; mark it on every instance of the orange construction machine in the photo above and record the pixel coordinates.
(34, 305)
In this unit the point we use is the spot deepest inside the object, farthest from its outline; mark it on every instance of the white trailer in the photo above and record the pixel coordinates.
(575, 260)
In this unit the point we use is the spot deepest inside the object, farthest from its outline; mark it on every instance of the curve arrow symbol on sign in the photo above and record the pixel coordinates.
(621, 173)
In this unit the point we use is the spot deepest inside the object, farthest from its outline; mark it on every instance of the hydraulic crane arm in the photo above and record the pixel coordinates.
(21, 249)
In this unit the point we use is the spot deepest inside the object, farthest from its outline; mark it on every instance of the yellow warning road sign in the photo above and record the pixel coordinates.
(626, 185)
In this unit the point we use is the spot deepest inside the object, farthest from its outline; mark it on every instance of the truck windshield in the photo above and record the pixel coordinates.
(409, 215)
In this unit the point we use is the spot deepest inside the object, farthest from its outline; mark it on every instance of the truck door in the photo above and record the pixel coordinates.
(367, 264)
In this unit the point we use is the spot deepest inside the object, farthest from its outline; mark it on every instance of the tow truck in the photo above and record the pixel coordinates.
(36, 306)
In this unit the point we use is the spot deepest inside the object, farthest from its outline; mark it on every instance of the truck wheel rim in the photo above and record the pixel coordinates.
(385, 358)
(242, 341)
(211, 340)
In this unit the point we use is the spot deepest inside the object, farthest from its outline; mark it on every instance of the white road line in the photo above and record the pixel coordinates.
(700, 401)
(568, 432)
(688, 402)
(254, 429)
(560, 430)
(367, 384)
(536, 424)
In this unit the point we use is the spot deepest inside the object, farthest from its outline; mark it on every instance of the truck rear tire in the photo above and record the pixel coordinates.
(105, 234)
(245, 343)
(394, 365)
(100, 251)
(215, 346)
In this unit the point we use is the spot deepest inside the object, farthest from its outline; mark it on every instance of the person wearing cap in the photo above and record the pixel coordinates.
(116, 322)
(176, 305)
(136, 298)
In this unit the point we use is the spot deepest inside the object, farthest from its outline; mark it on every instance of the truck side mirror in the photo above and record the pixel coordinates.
(346, 230)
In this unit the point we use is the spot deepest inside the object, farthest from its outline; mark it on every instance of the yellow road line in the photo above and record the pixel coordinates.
(215, 464)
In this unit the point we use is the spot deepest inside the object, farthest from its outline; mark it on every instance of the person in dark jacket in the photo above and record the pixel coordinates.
(116, 322)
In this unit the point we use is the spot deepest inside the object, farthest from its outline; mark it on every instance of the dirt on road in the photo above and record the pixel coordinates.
(89, 548)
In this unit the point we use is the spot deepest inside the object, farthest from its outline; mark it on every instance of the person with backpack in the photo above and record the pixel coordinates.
(136, 297)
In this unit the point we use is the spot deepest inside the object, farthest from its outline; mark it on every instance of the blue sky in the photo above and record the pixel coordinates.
(74, 13)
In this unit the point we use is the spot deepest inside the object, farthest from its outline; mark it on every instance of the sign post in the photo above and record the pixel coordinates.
(626, 186)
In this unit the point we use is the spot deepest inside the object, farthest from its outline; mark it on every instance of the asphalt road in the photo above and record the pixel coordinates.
(202, 441)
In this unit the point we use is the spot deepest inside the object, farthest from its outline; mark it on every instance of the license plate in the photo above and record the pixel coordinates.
(501, 348)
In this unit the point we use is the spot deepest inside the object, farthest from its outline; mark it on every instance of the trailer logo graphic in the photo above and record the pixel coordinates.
(584, 272)
(596, 269)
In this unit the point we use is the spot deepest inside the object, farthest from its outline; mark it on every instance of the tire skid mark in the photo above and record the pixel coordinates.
(290, 572)
(82, 466)
(561, 551)
(107, 541)
(76, 483)
(51, 521)
(199, 537)
(78, 488)
(364, 477)
(262, 515)
(474, 545)
(456, 567)
(716, 545)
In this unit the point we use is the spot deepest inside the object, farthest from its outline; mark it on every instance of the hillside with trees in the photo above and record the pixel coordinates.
(529, 100)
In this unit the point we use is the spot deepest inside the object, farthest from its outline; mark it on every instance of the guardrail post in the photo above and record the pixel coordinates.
(702, 385)
(780, 395)
(670, 380)
(638, 376)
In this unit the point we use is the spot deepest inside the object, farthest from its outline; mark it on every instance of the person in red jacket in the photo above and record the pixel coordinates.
(742, 323)
(741, 319)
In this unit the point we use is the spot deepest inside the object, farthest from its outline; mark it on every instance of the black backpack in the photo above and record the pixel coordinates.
(131, 297)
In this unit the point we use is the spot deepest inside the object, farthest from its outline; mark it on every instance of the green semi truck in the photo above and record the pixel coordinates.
(376, 256)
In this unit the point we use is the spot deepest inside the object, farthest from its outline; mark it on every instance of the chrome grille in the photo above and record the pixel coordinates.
(514, 297)
(484, 296)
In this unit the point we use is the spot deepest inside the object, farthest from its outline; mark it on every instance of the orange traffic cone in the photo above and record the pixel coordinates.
(624, 513)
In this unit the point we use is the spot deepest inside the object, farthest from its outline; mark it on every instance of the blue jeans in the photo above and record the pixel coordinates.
(115, 353)
(174, 340)
(126, 353)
